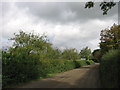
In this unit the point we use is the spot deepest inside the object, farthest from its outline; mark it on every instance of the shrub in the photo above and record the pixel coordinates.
(23, 67)
(81, 62)
(89, 62)
(55, 66)
(19, 68)
(109, 69)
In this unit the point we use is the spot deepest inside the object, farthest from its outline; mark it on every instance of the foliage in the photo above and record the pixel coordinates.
(89, 62)
(19, 67)
(53, 54)
(82, 63)
(89, 4)
(110, 52)
(22, 61)
(110, 38)
(31, 43)
(55, 66)
(85, 53)
(70, 54)
(110, 69)
(104, 6)
(32, 57)
(96, 55)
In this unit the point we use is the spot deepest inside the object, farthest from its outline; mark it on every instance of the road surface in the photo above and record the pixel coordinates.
(84, 77)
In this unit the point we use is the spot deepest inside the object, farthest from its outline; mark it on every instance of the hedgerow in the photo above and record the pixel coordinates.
(82, 63)
(32, 56)
(89, 62)
(16, 70)
(110, 68)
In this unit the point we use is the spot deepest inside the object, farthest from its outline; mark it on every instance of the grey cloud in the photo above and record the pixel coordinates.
(5, 7)
(53, 11)
(67, 24)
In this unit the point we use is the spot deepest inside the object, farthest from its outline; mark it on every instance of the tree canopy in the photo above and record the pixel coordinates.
(110, 38)
(70, 54)
(85, 53)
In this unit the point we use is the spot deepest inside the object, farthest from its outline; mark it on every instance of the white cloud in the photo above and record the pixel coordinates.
(70, 35)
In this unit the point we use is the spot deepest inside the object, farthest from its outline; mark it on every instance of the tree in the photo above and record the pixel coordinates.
(110, 38)
(30, 43)
(22, 62)
(70, 54)
(104, 6)
(85, 53)
(96, 55)
(53, 54)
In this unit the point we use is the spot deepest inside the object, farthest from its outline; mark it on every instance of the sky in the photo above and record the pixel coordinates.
(67, 24)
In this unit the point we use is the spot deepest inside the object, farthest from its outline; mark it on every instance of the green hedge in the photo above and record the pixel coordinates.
(55, 66)
(90, 62)
(17, 70)
(80, 63)
(110, 68)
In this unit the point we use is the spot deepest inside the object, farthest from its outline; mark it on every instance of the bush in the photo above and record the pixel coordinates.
(19, 68)
(22, 67)
(90, 62)
(27, 59)
(110, 68)
(81, 63)
(55, 66)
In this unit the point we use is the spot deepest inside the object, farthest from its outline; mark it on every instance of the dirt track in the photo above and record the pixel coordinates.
(84, 77)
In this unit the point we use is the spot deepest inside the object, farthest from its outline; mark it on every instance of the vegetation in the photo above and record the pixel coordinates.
(32, 56)
(89, 62)
(109, 69)
(110, 56)
(110, 38)
(85, 53)
(96, 55)
(70, 54)
(104, 6)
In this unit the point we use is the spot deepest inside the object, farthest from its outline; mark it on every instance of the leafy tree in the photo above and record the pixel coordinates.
(53, 54)
(22, 61)
(96, 55)
(85, 53)
(104, 6)
(70, 54)
(31, 43)
(110, 38)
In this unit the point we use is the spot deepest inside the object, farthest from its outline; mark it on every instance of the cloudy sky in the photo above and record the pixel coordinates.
(67, 24)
